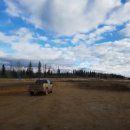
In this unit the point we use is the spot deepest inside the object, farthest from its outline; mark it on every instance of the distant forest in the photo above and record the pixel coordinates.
(18, 72)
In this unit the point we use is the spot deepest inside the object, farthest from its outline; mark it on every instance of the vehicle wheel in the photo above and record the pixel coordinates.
(31, 93)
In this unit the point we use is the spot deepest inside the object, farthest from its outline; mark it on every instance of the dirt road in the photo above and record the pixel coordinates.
(69, 107)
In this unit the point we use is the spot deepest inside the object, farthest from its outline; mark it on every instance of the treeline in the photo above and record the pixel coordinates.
(43, 72)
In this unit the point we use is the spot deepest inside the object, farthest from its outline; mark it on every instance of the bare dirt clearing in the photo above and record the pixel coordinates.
(74, 105)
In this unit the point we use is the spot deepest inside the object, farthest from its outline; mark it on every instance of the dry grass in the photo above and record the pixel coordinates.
(76, 104)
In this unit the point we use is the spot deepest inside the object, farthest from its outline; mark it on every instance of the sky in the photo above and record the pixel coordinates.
(72, 34)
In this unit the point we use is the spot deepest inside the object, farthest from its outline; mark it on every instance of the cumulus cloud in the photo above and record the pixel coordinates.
(126, 31)
(65, 17)
(22, 43)
(2, 54)
(43, 38)
(83, 21)
(112, 57)
(119, 15)
(93, 36)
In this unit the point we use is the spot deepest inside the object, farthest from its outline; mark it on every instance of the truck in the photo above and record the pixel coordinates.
(41, 87)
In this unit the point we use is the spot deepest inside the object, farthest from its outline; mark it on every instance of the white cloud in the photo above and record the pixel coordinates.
(78, 18)
(2, 54)
(43, 38)
(12, 8)
(47, 45)
(23, 34)
(79, 37)
(59, 41)
(112, 57)
(126, 31)
(65, 17)
(5, 38)
(119, 15)
(93, 36)
(22, 43)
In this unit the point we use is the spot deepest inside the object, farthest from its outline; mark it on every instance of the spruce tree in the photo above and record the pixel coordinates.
(39, 69)
(30, 70)
(3, 71)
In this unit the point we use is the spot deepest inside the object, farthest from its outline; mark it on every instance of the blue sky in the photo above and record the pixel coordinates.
(72, 34)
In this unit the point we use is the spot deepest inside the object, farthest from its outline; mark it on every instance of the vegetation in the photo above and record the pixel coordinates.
(19, 72)
(39, 71)
(3, 71)
(29, 73)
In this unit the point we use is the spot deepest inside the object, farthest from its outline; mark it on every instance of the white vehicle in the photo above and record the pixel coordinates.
(41, 87)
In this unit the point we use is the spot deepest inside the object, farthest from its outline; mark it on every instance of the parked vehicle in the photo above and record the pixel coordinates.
(40, 87)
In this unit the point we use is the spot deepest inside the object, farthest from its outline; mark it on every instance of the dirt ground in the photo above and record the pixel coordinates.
(73, 105)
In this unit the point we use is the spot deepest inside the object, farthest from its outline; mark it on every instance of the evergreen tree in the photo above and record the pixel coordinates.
(14, 73)
(45, 70)
(58, 71)
(3, 71)
(30, 70)
(39, 69)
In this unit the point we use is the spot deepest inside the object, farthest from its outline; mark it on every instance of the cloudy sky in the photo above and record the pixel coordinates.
(92, 34)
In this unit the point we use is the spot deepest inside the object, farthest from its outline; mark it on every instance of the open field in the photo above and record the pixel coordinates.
(74, 105)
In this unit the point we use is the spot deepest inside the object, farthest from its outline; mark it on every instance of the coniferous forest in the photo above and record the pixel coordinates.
(42, 71)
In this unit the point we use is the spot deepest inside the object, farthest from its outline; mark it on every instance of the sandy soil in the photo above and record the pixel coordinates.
(73, 105)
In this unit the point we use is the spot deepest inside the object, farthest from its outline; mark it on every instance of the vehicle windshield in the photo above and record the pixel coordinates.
(41, 81)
